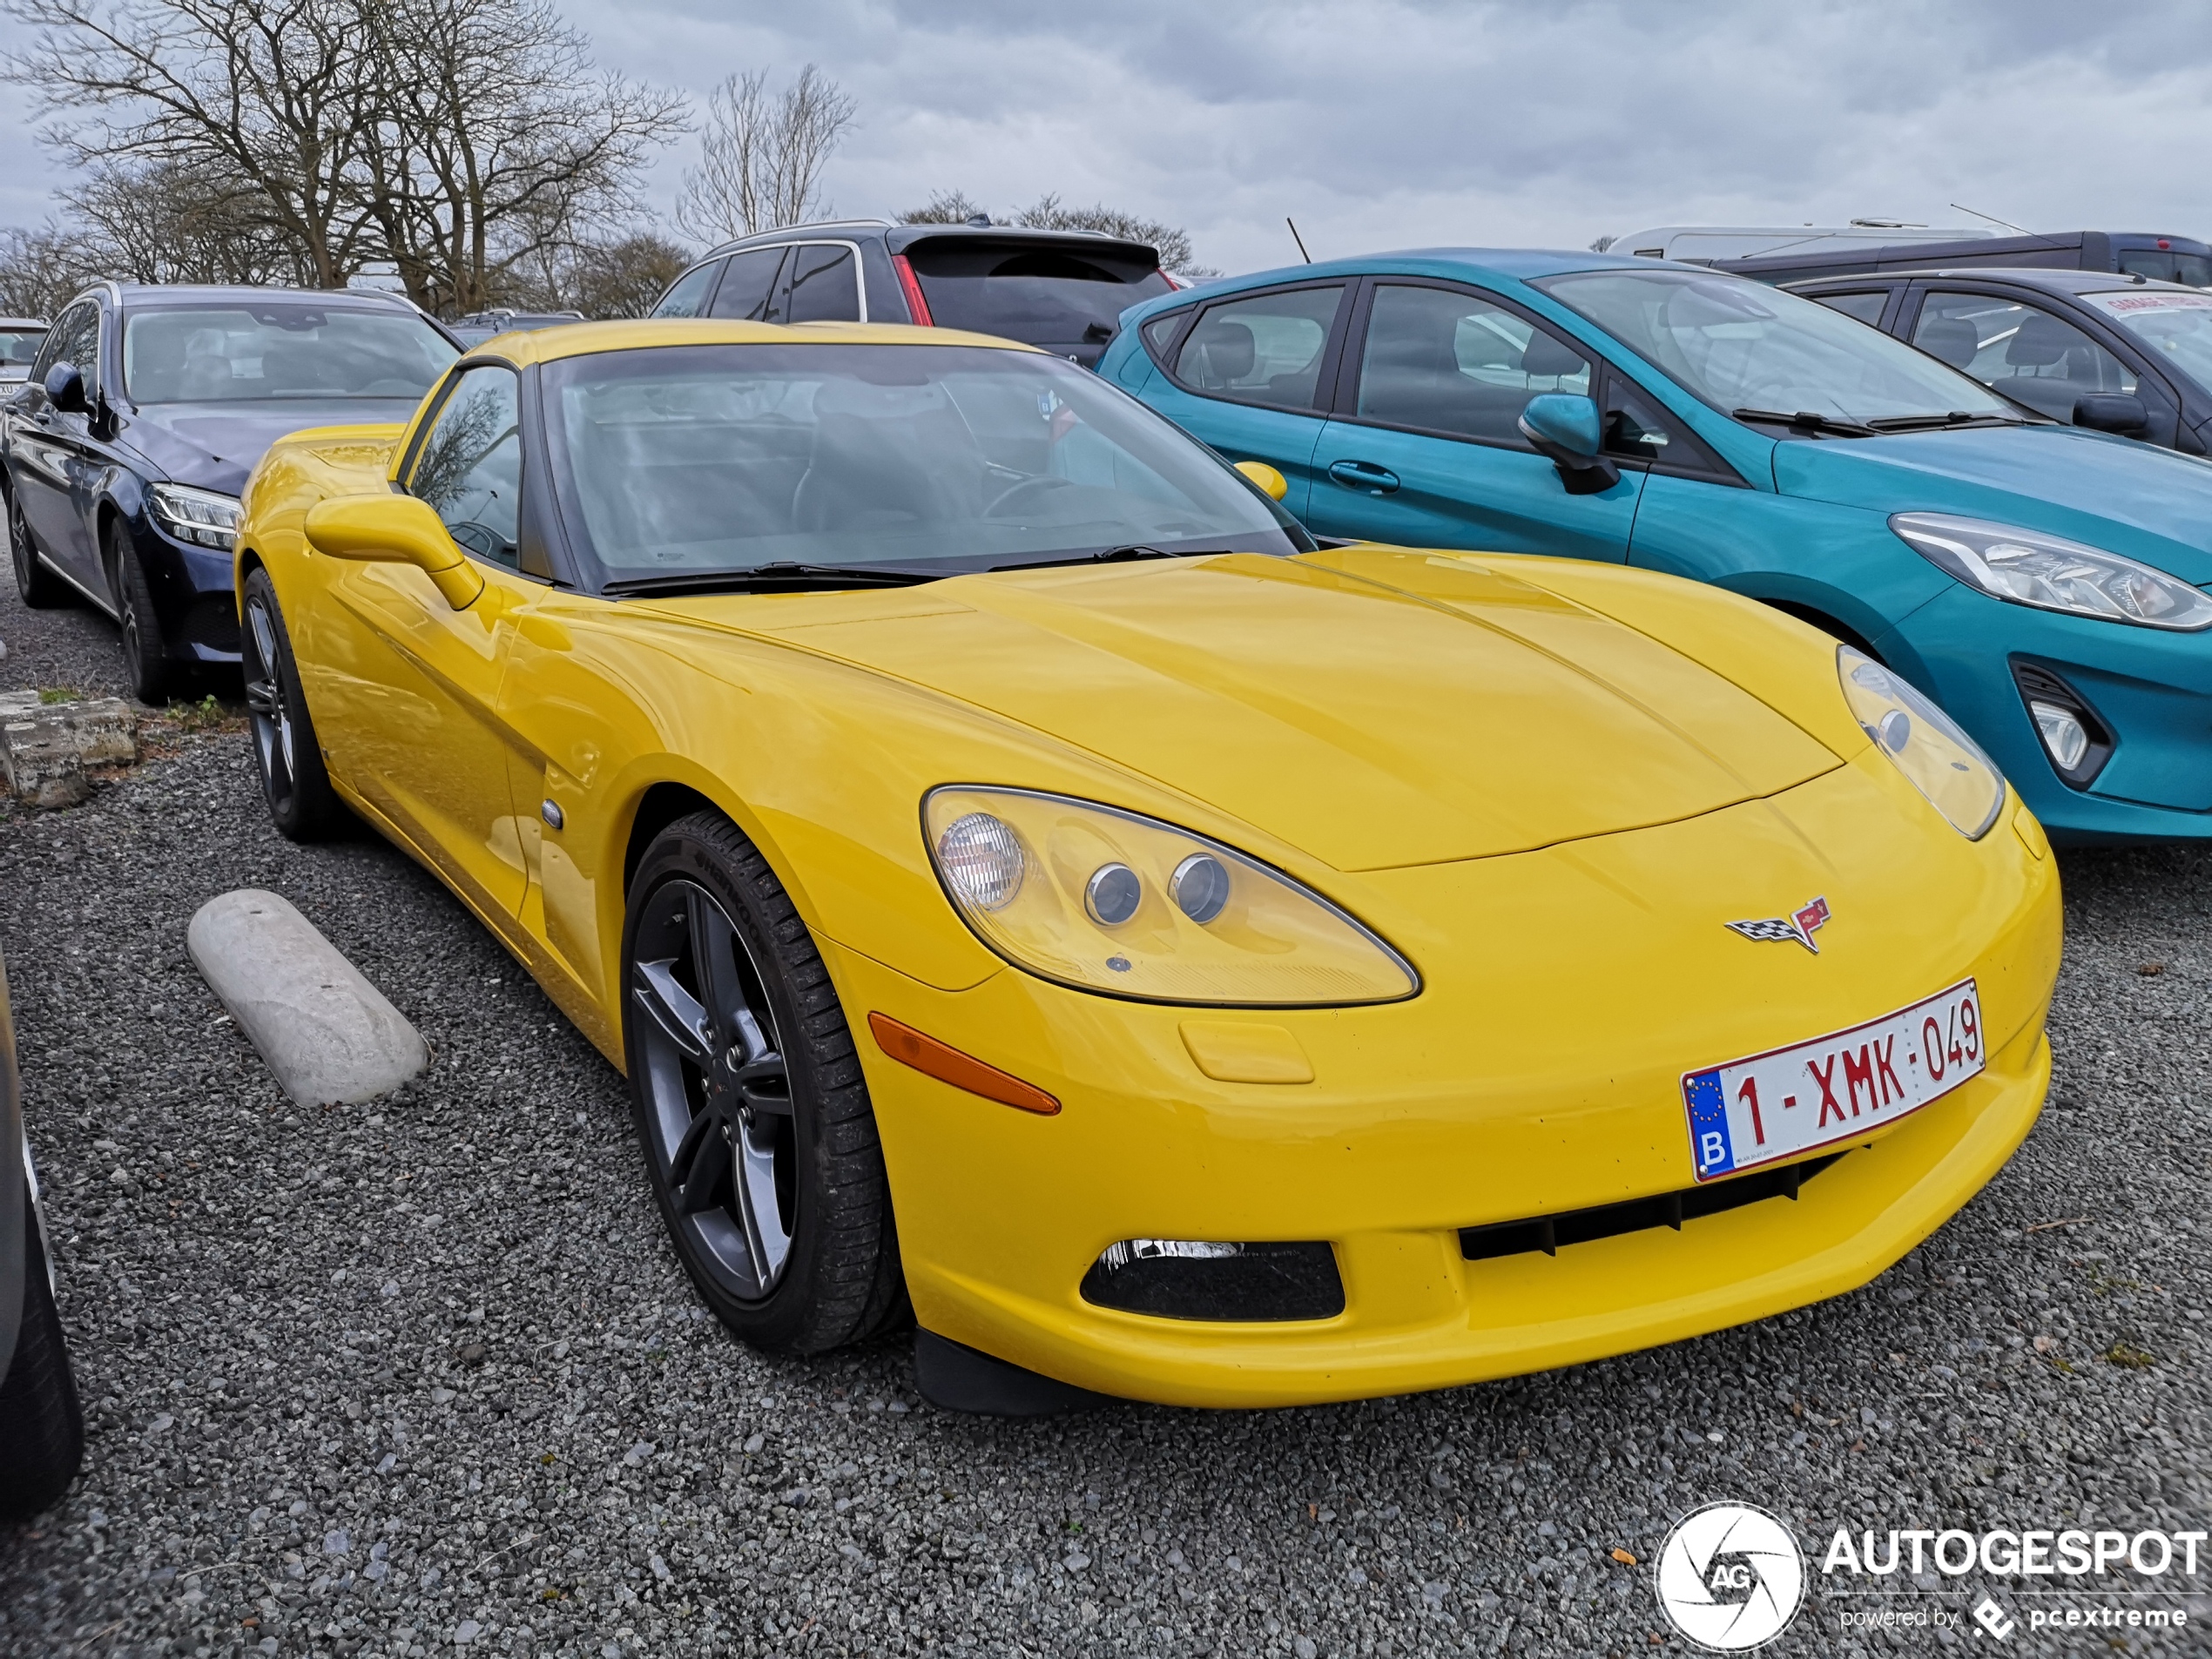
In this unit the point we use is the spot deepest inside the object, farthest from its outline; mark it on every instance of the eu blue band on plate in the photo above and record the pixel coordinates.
(1708, 1139)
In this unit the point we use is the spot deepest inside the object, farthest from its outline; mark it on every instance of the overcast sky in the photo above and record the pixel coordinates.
(1392, 122)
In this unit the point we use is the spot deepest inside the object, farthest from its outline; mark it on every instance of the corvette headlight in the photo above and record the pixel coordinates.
(1105, 901)
(2050, 573)
(1925, 744)
(200, 516)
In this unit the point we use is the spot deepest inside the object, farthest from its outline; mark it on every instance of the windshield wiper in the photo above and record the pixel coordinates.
(1931, 422)
(1117, 556)
(781, 575)
(1812, 421)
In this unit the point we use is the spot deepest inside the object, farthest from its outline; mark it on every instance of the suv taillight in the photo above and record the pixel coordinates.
(910, 284)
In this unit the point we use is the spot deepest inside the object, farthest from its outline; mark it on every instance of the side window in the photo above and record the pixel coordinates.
(825, 284)
(1264, 349)
(747, 285)
(1159, 334)
(1446, 361)
(690, 293)
(1866, 307)
(469, 469)
(2020, 350)
(75, 339)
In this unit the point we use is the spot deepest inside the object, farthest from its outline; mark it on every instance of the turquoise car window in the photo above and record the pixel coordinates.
(2177, 327)
(1443, 361)
(711, 459)
(2021, 350)
(1262, 348)
(469, 467)
(1738, 344)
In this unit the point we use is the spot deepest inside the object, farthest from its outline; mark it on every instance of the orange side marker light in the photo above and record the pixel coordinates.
(947, 1064)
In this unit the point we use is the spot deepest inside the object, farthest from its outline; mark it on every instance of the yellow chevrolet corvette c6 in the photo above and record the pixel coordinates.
(1024, 878)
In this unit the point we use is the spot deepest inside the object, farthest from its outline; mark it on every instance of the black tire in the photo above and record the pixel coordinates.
(777, 1106)
(145, 660)
(302, 804)
(40, 588)
(42, 1426)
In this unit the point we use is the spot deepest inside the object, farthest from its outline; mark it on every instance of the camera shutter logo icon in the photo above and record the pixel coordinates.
(1731, 1577)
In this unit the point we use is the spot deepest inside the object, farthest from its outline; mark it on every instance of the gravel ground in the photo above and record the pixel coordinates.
(424, 1377)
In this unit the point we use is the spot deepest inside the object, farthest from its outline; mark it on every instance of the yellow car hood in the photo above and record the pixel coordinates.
(1375, 708)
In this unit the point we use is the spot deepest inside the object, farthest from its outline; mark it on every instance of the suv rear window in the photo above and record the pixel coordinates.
(1066, 298)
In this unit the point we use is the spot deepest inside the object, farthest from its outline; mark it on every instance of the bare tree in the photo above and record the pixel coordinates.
(269, 94)
(496, 141)
(944, 207)
(620, 277)
(41, 270)
(762, 160)
(167, 221)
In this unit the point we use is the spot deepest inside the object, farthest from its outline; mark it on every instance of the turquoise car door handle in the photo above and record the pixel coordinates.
(1363, 475)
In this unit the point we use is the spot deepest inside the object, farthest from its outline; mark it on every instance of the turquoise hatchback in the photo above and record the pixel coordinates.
(2044, 582)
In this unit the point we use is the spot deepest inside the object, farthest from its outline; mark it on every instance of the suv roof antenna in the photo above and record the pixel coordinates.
(2007, 223)
(1295, 237)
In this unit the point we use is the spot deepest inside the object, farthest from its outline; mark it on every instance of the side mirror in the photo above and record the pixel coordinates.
(2111, 411)
(1569, 431)
(65, 389)
(390, 529)
(1271, 482)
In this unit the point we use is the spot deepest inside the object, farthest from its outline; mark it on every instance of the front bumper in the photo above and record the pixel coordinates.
(1539, 1072)
(2152, 688)
(195, 593)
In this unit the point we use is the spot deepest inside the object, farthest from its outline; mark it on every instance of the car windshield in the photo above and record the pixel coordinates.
(696, 460)
(279, 350)
(1738, 344)
(20, 345)
(2175, 327)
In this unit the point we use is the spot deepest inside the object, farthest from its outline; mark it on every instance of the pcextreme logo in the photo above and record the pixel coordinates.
(1730, 1577)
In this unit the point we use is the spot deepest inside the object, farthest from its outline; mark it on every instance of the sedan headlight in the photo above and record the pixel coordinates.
(1104, 900)
(1925, 744)
(200, 516)
(2050, 573)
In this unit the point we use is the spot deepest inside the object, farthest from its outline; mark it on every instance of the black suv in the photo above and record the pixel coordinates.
(123, 454)
(1061, 290)
(2120, 354)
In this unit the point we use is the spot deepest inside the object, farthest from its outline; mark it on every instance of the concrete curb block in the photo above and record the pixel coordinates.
(326, 1032)
(45, 747)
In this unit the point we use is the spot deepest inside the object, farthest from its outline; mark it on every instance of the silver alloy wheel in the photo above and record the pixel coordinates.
(267, 705)
(722, 1126)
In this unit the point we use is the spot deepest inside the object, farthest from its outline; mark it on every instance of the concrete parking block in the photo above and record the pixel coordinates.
(326, 1032)
(46, 748)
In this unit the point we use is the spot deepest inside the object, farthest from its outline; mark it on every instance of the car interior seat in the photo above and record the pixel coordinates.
(1955, 340)
(889, 468)
(1223, 352)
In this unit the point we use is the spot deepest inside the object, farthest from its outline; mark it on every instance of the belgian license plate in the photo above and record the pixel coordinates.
(1789, 1101)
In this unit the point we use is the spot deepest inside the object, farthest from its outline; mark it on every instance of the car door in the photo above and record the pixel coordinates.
(2031, 353)
(413, 683)
(1426, 449)
(53, 452)
(1246, 374)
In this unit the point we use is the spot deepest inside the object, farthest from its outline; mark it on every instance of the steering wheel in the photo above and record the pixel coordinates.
(1033, 486)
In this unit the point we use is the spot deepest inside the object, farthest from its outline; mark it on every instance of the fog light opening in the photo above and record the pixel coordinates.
(1216, 1280)
(1114, 1257)
(2062, 734)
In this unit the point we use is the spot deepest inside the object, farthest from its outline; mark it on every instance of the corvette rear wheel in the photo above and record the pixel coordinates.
(302, 804)
(749, 1105)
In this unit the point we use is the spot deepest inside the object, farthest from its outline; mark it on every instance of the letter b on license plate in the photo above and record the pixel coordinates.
(1789, 1101)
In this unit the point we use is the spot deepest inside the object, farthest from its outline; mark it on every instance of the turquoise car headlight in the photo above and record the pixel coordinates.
(1925, 744)
(2050, 573)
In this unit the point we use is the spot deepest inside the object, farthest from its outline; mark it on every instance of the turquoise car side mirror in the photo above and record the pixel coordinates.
(1568, 429)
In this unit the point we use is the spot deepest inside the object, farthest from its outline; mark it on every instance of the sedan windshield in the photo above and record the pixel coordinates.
(683, 461)
(19, 345)
(2177, 327)
(1740, 345)
(281, 349)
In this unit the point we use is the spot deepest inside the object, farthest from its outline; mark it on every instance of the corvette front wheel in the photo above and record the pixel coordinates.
(751, 1108)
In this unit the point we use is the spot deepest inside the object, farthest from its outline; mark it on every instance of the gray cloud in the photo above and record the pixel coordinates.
(1396, 123)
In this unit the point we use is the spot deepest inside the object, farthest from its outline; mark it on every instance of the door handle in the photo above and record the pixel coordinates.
(1363, 475)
